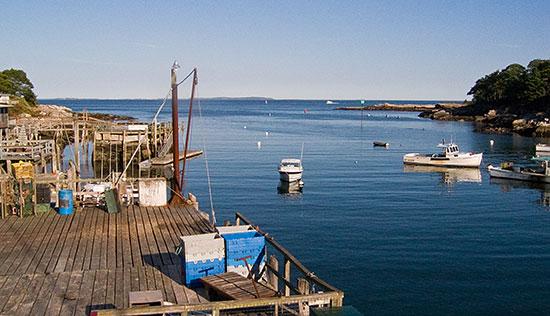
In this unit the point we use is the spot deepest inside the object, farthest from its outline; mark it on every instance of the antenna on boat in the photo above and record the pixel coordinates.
(302, 152)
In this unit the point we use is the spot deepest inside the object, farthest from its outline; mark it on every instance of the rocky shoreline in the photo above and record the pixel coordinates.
(58, 111)
(531, 125)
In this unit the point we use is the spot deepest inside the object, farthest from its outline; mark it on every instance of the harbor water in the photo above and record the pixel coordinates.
(396, 240)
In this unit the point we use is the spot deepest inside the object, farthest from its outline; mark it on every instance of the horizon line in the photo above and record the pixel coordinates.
(253, 99)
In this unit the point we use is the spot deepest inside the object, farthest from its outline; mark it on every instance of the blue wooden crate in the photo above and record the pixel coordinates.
(242, 244)
(201, 255)
(196, 270)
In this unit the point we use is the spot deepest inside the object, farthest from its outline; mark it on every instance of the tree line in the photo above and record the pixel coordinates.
(15, 82)
(514, 90)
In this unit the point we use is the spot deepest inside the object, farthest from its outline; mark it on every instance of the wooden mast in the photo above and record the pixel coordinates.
(176, 197)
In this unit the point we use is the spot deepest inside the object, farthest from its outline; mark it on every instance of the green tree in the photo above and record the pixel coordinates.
(15, 82)
(515, 89)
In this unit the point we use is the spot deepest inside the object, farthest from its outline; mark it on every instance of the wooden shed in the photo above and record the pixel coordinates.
(4, 105)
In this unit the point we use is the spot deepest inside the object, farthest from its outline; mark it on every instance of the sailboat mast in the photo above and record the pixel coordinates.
(175, 129)
(188, 126)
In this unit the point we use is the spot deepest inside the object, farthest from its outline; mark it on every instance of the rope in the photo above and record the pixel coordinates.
(187, 77)
(206, 163)
(154, 121)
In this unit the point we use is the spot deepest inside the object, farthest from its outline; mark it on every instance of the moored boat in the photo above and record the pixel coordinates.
(380, 144)
(509, 171)
(451, 156)
(290, 170)
(542, 149)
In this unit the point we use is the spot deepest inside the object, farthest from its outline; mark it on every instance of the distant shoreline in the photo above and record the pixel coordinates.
(401, 107)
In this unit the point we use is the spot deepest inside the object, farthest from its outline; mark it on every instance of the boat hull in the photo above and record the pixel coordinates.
(517, 175)
(465, 160)
(542, 148)
(290, 176)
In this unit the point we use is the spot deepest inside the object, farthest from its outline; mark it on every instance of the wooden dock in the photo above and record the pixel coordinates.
(70, 265)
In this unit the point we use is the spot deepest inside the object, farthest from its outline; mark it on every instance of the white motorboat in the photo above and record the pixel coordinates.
(543, 149)
(290, 170)
(451, 156)
(509, 171)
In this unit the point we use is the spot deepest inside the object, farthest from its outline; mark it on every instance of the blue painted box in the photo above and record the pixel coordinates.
(243, 244)
(201, 255)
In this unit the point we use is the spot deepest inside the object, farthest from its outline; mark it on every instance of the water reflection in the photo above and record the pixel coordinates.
(289, 188)
(507, 185)
(449, 176)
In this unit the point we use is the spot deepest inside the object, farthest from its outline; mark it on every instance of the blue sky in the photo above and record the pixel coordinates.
(284, 49)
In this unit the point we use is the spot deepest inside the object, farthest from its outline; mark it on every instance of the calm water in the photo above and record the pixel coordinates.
(396, 241)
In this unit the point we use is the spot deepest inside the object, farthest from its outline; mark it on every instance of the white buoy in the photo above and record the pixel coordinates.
(245, 127)
(266, 133)
(259, 144)
(491, 142)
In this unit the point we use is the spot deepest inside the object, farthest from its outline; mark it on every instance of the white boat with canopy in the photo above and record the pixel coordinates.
(290, 170)
(451, 156)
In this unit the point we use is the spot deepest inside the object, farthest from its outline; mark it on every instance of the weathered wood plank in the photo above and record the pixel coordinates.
(154, 250)
(125, 236)
(72, 294)
(7, 289)
(85, 295)
(43, 297)
(161, 234)
(9, 255)
(99, 293)
(95, 255)
(49, 245)
(127, 286)
(171, 231)
(134, 279)
(63, 255)
(12, 244)
(17, 294)
(144, 246)
(173, 274)
(76, 243)
(183, 224)
(34, 254)
(167, 284)
(134, 240)
(112, 242)
(51, 256)
(58, 294)
(33, 291)
(119, 288)
(104, 241)
(80, 256)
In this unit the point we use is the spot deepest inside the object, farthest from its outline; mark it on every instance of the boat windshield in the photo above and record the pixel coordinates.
(452, 149)
(291, 164)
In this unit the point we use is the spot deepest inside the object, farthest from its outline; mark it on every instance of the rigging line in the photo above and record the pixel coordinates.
(187, 77)
(141, 140)
(206, 163)
(162, 105)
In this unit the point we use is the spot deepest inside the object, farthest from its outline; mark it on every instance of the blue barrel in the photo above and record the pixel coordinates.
(65, 202)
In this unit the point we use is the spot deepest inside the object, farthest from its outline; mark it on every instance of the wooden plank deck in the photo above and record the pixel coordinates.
(69, 265)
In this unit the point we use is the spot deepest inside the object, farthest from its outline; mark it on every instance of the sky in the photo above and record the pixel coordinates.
(375, 50)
